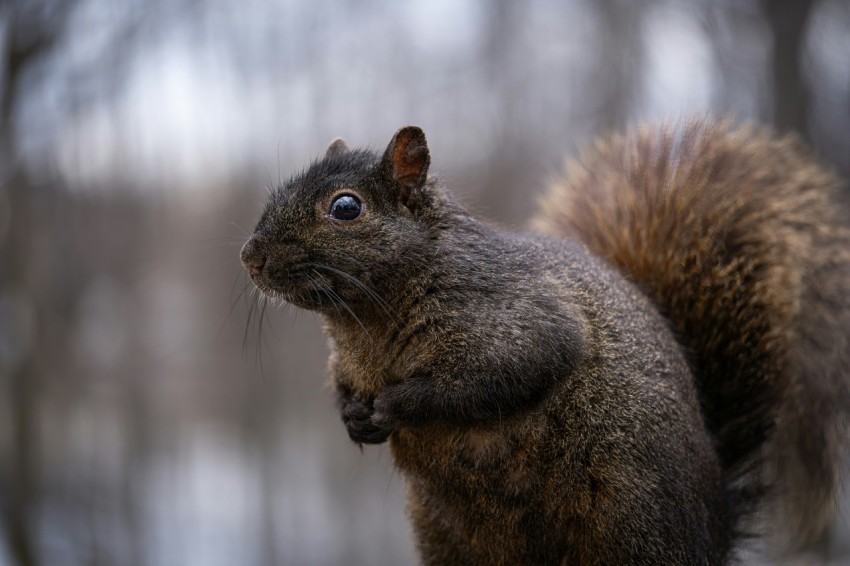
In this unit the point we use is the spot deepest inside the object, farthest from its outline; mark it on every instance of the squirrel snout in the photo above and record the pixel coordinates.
(252, 258)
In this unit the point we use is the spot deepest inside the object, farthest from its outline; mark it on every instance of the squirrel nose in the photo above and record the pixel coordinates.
(251, 258)
(254, 265)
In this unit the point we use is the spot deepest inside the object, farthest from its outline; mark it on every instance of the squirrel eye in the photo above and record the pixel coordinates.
(346, 207)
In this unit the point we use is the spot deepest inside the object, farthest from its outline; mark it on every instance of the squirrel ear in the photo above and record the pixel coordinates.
(407, 159)
(337, 147)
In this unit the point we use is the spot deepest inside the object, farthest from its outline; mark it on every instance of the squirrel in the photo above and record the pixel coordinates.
(643, 377)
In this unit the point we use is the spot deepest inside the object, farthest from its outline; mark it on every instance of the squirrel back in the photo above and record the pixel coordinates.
(743, 242)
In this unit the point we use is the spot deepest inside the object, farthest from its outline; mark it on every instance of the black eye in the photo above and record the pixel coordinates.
(346, 207)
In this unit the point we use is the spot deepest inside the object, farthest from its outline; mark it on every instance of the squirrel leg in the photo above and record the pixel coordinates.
(356, 407)
(421, 399)
(478, 377)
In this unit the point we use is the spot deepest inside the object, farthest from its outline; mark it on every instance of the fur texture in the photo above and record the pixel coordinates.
(621, 391)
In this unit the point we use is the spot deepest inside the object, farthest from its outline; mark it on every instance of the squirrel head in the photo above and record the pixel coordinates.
(347, 226)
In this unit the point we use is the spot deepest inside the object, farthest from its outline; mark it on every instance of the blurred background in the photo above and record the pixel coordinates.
(150, 412)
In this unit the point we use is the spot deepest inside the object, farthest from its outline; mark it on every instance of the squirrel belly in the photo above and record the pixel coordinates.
(665, 356)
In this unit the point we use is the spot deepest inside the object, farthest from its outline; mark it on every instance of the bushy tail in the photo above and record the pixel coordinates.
(743, 241)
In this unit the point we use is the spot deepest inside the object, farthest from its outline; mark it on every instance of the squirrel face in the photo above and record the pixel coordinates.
(339, 231)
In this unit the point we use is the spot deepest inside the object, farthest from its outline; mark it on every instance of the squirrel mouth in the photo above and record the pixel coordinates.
(294, 285)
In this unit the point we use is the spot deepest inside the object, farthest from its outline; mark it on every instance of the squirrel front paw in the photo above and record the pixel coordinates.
(408, 403)
(357, 417)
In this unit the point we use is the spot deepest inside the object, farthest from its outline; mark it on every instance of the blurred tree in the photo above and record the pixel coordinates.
(31, 31)
(505, 74)
(788, 21)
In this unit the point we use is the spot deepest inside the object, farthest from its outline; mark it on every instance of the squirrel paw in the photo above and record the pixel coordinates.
(357, 417)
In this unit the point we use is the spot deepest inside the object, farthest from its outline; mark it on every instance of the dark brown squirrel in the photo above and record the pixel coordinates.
(666, 356)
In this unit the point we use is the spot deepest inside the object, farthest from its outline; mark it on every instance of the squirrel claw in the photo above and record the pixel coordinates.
(357, 417)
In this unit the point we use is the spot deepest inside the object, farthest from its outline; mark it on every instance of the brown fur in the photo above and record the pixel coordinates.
(537, 400)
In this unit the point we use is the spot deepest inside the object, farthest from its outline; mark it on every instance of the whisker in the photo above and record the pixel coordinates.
(232, 305)
(316, 284)
(251, 309)
(269, 173)
(370, 293)
(259, 353)
(331, 293)
(223, 244)
(269, 346)
(278, 161)
(233, 239)
(240, 228)
(274, 303)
